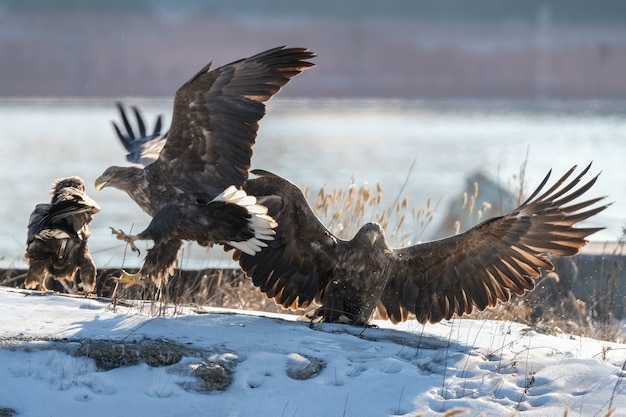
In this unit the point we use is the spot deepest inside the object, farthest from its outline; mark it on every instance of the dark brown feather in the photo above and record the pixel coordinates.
(206, 151)
(216, 115)
(296, 265)
(57, 236)
(436, 280)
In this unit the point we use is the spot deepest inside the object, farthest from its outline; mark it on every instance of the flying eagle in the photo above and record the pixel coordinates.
(56, 243)
(306, 263)
(191, 187)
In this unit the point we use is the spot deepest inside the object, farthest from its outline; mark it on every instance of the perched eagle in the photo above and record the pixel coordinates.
(306, 263)
(191, 186)
(56, 243)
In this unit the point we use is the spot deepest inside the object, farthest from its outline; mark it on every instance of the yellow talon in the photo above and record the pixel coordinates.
(130, 280)
(130, 239)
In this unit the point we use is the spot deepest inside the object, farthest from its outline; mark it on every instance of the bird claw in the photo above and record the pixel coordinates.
(130, 239)
(42, 288)
(130, 280)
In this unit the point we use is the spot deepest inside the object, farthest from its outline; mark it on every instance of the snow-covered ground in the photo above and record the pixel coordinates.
(489, 367)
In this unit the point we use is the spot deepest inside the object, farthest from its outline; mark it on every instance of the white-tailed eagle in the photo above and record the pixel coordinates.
(307, 264)
(191, 183)
(56, 242)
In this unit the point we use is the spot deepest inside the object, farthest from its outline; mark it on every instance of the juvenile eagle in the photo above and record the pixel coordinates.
(306, 263)
(191, 187)
(56, 243)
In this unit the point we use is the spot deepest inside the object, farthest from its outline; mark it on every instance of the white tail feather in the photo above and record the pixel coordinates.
(258, 242)
(227, 194)
(260, 222)
(257, 209)
(245, 247)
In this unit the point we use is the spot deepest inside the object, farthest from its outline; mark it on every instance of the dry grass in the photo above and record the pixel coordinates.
(551, 307)
(345, 211)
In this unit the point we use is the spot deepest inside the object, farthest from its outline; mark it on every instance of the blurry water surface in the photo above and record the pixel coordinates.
(314, 144)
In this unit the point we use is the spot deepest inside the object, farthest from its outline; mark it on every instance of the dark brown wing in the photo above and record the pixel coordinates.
(143, 147)
(73, 207)
(216, 114)
(296, 265)
(482, 266)
(69, 213)
(37, 221)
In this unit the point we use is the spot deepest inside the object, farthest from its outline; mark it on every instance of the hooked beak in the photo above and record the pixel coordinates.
(372, 236)
(100, 183)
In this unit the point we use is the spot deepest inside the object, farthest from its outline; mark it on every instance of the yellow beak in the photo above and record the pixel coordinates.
(372, 236)
(100, 183)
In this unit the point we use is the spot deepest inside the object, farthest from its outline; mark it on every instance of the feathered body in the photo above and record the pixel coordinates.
(56, 243)
(306, 264)
(191, 186)
(349, 279)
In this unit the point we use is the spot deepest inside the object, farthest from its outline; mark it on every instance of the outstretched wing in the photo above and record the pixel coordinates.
(143, 148)
(482, 266)
(297, 264)
(216, 114)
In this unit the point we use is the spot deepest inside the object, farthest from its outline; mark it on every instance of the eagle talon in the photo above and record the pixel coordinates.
(40, 287)
(130, 239)
(130, 280)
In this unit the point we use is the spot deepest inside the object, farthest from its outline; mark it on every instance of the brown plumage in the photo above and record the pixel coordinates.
(307, 264)
(191, 180)
(56, 242)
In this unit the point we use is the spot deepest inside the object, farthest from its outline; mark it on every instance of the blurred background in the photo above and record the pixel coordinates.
(420, 96)
(496, 49)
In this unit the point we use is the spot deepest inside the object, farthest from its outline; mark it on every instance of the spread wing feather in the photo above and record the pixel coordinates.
(216, 115)
(143, 148)
(435, 280)
(482, 266)
(297, 264)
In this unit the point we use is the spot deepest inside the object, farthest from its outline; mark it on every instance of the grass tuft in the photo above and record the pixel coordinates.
(551, 308)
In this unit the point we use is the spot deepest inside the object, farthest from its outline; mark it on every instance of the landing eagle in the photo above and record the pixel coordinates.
(307, 265)
(191, 180)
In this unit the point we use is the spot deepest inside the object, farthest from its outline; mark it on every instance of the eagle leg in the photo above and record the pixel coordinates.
(36, 277)
(130, 239)
(130, 280)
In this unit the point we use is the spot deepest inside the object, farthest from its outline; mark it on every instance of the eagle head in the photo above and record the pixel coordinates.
(68, 182)
(372, 232)
(118, 177)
